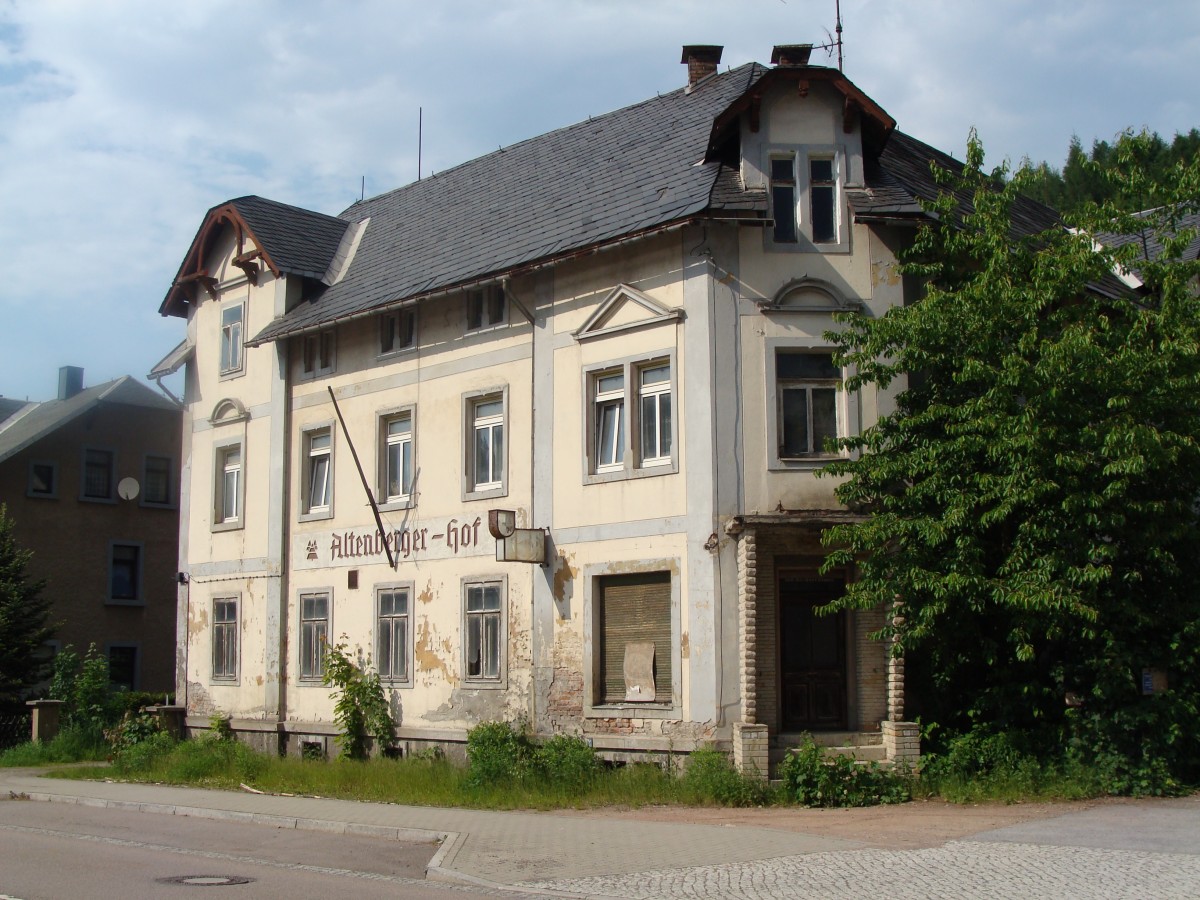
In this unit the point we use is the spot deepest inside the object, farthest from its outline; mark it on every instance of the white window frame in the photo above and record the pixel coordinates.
(632, 463)
(393, 325)
(802, 156)
(610, 447)
(318, 353)
(593, 575)
(311, 466)
(111, 495)
(137, 575)
(497, 485)
(52, 493)
(222, 453)
(230, 628)
(385, 630)
(470, 617)
(652, 456)
(170, 502)
(846, 405)
(406, 498)
(311, 671)
(485, 308)
(231, 360)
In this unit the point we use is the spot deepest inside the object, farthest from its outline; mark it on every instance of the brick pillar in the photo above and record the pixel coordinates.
(895, 678)
(750, 751)
(748, 625)
(902, 742)
(45, 719)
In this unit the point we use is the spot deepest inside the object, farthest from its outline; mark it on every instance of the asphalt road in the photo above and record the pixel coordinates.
(53, 850)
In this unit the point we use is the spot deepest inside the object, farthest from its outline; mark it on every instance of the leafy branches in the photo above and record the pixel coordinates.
(361, 708)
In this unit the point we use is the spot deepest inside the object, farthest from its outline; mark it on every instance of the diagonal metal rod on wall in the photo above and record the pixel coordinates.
(362, 477)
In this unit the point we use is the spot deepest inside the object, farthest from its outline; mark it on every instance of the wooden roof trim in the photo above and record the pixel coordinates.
(192, 269)
(855, 100)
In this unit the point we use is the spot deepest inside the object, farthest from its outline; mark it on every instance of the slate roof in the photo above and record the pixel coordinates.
(1153, 246)
(299, 241)
(22, 430)
(618, 174)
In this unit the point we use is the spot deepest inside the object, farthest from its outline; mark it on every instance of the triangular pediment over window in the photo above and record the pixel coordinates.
(624, 309)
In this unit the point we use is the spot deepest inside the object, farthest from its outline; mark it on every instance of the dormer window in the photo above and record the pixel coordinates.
(822, 194)
(486, 308)
(318, 353)
(783, 198)
(397, 331)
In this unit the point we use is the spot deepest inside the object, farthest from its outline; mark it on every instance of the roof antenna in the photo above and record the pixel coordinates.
(838, 29)
(420, 136)
(362, 194)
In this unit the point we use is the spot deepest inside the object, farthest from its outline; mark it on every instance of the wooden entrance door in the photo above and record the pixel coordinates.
(812, 656)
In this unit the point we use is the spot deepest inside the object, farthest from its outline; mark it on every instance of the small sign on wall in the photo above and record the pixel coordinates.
(1154, 681)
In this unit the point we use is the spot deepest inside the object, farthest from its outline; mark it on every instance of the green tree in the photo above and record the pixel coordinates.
(361, 707)
(24, 617)
(1034, 493)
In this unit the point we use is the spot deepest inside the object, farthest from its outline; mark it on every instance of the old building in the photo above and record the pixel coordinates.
(615, 331)
(91, 480)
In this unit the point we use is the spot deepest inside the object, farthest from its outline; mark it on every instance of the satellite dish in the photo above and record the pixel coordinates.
(128, 488)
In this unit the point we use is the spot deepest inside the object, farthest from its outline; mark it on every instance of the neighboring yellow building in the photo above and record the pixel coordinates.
(615, 331)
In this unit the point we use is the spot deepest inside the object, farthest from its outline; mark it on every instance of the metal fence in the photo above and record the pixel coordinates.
(15, 727)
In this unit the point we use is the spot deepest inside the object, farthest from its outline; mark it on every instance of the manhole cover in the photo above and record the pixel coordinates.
(205, 880)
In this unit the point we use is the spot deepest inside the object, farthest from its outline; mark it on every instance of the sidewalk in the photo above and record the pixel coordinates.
(478, 846)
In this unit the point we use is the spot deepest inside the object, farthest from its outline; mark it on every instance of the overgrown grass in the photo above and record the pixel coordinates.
(71, 745)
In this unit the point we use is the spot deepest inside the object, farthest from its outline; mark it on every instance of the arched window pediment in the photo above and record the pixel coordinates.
(227, 411)
(810, 295)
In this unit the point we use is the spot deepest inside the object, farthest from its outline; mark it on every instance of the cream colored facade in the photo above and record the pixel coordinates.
(714, 522)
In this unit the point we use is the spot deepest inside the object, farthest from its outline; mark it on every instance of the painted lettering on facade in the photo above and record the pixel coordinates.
(404, 543)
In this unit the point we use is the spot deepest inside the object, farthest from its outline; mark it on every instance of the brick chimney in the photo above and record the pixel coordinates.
(70, 382)
(702, 60)
(791, 54)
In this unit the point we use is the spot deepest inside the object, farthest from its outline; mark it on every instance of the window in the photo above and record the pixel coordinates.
(614, 452)
(123, 666)
(231, 338)
(98, 474)
(397, 469)
(806, 388)
(317, 352)
(485, 453)
(318, 473)
(397, 331)
(822, 194)
(610, 421)
(654, 393)
(156, 481)
(227, 502)
(484, 630)
(314, 634)
(43, 480)
(225, 639)
(393, 632)
(125, 573)
(486, 308)
(783, 198)
(634, 655)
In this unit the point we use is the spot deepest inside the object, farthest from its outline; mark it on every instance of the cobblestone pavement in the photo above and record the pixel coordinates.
(959, 869)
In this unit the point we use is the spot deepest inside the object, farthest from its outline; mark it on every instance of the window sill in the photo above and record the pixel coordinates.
(112, 501)
(397, 505)
(149, 505)
(804, 463)
(227, 526)
(396, 354)
(484, 329)
(112, 601)
(309, 681)
(231, 374)
(488, 493)
(38, 496)
(316, 516)
(225, 682)
(489, 685)
(651, 471)
(653, 710)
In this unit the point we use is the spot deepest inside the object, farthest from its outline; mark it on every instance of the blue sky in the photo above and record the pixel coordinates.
(124, 122)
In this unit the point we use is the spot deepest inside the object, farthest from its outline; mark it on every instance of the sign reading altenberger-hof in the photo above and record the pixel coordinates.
(410, 543)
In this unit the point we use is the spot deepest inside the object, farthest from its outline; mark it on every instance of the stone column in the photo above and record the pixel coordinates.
(45, 719)
(748, 624)
(751, 751)
(170, 719)
(902, 742)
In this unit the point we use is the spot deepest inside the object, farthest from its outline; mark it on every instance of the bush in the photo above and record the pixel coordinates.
(710, 777)
(567, 759)
(133, 729)
(811, 778)
(361, 707)
(498, 752)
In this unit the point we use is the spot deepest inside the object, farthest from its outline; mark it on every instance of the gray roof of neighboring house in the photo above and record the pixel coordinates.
(617, 174)
(20, 431)
(8, 406)
(1153, 247)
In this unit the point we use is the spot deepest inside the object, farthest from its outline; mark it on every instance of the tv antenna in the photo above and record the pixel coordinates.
(835, 40)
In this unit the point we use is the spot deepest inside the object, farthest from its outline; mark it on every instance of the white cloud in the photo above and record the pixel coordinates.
(125, 122)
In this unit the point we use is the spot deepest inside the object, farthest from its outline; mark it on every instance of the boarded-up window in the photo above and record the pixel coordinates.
(634, 609)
